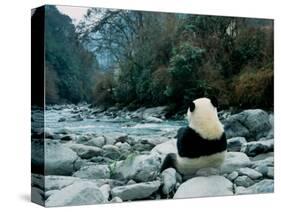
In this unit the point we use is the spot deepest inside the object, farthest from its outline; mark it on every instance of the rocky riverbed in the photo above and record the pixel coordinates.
(93, 155)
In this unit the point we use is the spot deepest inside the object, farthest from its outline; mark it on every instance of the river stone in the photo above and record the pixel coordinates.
(116, 200)
(111, 151)
(59, 160)
(165, 148)
(141, 168)
(204, 186)
(85, 152)
(53, 182)
(79, 193)
(264, 186)
(266, 162)
(105, 189)
(253, 174)
(244, 181)
(234, 161)
(254, 148)
(135, 191)
(169, 179)
(232, 176)
(270, 172)
(97, 141)
(157, 112)
(234, 144)
(207, 171)
(252, 124)
(93, 172)
(152, 119)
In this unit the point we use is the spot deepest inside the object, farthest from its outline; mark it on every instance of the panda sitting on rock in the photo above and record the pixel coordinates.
(203, 143)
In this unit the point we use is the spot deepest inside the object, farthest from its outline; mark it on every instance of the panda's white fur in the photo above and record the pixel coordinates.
(203, 120)
(191, 165)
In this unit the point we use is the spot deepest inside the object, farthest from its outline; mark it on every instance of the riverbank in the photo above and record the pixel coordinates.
(94, 155)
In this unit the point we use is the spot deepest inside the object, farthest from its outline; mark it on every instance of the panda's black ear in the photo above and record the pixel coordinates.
(214, 101)
(191, 106)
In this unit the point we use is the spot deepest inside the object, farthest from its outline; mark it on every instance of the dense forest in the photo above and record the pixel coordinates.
(135, 58)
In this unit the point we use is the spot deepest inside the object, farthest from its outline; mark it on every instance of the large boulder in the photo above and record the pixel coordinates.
(234, 161)
(253, 174)
(59, 160)
(141, 168)
(251, 124)
(258, 147)
(165, 148)
(204, 187)
(93, 172)
(84, 151)
(79, 193)
(135, 191)
(158, 112)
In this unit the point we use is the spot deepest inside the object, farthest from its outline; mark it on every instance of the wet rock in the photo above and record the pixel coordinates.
(234, 161)
(254, 148)
(251, 124)
(79, 193)
(62, 119)
(66, 138)
(105, 189)
(135, 191)
(116, 200)
(59, 160)
(264, 186)
(152, 119)
(165, 148)
(93, 172)
(91, 140)
(207, 172)
(169, 180)
(234, 144)
(232, 176)
(141, 168)
(253, 174)
(85, 152)
(244, 181)
(204, 187)
(111, 151)
(266, 162)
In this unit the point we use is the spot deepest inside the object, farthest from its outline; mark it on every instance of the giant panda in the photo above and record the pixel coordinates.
(202, 143)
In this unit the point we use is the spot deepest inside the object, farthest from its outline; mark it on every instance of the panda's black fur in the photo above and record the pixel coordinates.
(191, 145)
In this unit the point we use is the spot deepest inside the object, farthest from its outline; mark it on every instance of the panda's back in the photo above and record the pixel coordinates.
(195, 152)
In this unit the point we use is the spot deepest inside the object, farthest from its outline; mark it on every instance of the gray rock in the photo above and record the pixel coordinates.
(165, 148)
(252, 124)
(115, 137)
(135, 191)
(253, 174)
(152, 119)
(157, 112)
(266, 162)
(244, 181)
(62, 119)
(234, 161)
(254, 148)
(97, 141)
(49, 193)
(234, 144)
(67, 138)
(262, 169)
(141, 168)
(93, 172)
(262, 156)
(116, 200)
(207, 171)
(270, 172)
(105, 189)
(169, 179)
(53, 182)
(79, 193)
(232, 176)
(85, 152)
(59, 160)
(111, 151)
(204, 187)
(264, 186)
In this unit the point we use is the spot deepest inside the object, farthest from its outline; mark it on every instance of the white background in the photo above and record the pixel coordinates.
(15, 104)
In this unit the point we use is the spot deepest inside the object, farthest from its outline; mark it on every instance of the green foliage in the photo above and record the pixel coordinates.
(72, 66)
(183, 69)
